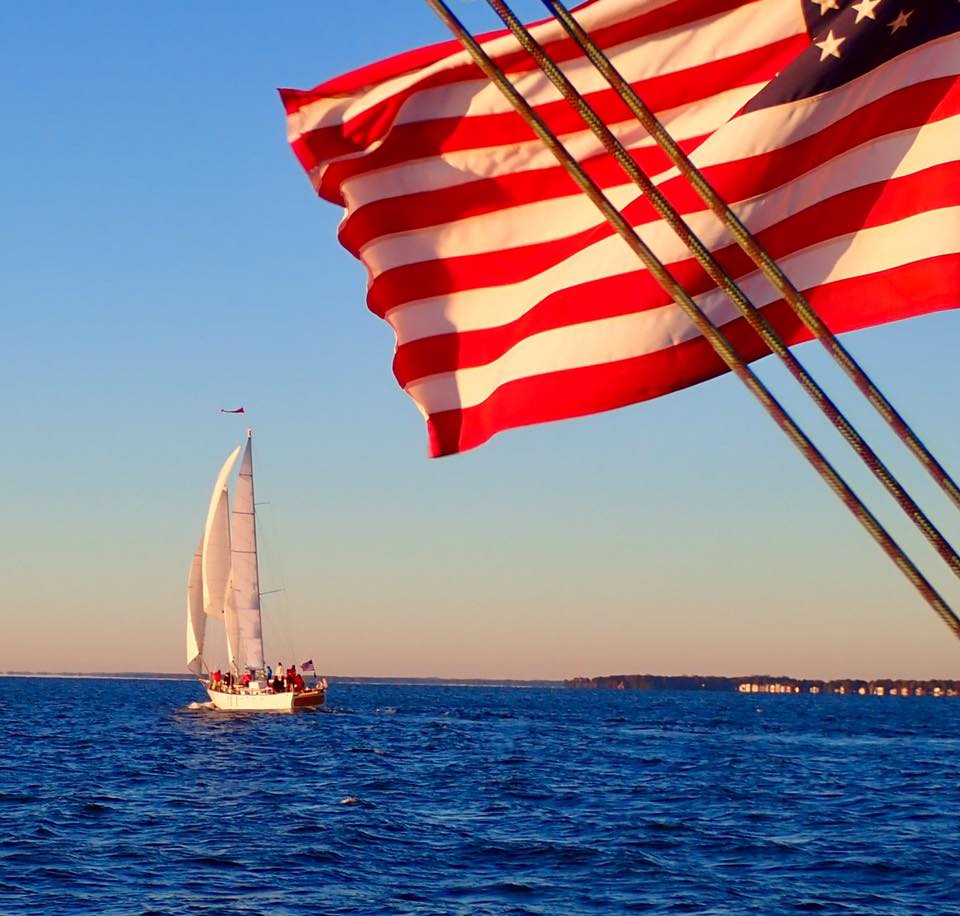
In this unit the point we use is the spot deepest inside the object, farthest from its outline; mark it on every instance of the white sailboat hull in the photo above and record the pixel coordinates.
(247, 701)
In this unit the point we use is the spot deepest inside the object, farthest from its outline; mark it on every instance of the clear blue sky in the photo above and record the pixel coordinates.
(162, 255)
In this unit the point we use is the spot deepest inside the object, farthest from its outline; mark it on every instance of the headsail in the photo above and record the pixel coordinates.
(246, 578)
(196, 618)
(215, 554)
(234, 645)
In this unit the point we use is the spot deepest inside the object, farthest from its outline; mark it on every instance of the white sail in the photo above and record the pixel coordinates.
(215, 554)
(234, 645)
(196, 617)
(243, 551)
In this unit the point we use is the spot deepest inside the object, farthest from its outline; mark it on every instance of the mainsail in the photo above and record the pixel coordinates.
(232, 628)
(215, 553)
(196, 617)
(224, 579)
(245, 598)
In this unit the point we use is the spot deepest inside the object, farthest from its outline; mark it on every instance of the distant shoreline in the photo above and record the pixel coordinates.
(750, 684)
(765, 683)
(332, 679)
(98, 675)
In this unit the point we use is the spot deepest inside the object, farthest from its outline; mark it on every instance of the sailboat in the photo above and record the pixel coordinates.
(224, 583)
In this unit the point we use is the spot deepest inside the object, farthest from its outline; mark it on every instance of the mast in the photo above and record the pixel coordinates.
(245, 596)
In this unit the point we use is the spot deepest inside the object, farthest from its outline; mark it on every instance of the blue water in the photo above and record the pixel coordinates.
(115, 797)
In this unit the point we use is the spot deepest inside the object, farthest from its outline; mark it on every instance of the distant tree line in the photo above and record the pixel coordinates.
(765, 683)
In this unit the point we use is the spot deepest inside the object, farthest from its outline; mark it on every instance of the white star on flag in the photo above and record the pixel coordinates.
(826, 5)
(900, 22)
(830, 46)
(865, 9)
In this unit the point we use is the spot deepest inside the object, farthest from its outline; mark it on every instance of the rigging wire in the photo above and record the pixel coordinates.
(701, 321)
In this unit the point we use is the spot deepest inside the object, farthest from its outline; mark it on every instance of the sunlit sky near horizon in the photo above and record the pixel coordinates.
(162, 255)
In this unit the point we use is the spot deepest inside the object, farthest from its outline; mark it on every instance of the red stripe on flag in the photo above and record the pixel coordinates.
(398, 143)
(934, 100)
(924, 103)
(916, 289)
(860, 208)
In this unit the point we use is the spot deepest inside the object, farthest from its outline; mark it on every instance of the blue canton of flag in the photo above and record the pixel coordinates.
(849, 40)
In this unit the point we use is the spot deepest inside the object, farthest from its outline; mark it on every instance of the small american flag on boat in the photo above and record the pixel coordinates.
(308, 666)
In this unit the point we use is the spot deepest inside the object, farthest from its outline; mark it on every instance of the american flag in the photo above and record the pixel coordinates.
(831, 127)
(308, 666)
